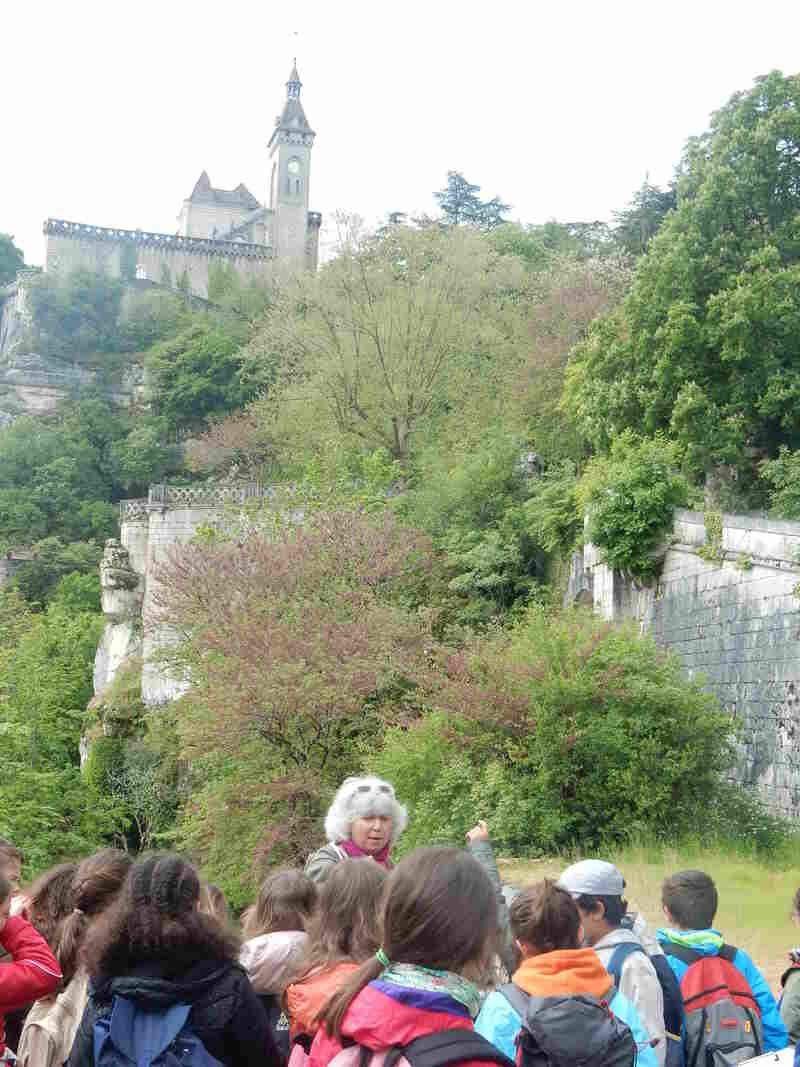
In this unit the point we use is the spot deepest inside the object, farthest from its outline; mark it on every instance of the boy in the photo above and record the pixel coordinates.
(33, 971)
(689, 901)
(596, 887)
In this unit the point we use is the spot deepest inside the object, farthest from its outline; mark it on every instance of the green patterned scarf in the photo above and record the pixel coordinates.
(414, 977)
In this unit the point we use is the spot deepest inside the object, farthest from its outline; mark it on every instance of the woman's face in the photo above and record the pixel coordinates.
(372, 832)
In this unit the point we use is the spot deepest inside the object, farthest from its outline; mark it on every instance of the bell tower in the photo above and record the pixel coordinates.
(290, 168)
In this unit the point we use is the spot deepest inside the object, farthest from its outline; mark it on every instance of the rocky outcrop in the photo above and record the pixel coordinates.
(122, 595)
(35, 384)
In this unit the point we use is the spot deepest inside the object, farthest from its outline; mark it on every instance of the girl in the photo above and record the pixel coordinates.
(275, 927)
(155, 948)
(342, 934)
(439, 933)
(548, 933)
(51, 1024)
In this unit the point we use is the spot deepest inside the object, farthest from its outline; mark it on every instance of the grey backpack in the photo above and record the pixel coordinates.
(568, 1031)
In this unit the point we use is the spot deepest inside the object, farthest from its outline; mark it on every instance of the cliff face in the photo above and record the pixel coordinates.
(33, 384)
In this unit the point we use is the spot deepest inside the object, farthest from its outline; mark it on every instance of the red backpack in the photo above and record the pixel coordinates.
(722, 1018)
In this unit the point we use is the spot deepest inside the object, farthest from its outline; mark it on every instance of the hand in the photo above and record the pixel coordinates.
(479, 832)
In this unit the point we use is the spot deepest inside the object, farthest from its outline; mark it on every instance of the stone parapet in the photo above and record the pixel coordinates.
(82, 231)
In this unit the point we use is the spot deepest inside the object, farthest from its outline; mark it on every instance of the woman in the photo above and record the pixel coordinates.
(363, 822)
(342, 934)
(52, 1022)
(439, 929)
(155, 948)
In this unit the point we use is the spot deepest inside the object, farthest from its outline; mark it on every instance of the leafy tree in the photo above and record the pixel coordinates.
(782, 474)
(298, 649)
(555, 728)
(460, 204)
(46, 665)
(388, 333)
(11, 259)
(199, 373)
(43, 575)
(643, 216)
(703, 347)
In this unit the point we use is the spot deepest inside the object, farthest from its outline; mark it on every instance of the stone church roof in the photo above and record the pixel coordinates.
(204, 192)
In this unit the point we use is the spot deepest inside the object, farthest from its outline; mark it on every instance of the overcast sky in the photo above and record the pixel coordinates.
(110, 110)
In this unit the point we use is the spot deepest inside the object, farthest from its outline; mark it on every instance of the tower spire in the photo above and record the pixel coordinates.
(294, 84)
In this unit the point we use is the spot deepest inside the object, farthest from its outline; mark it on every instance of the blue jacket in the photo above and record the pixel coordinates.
(708, 943)
(500, 1024)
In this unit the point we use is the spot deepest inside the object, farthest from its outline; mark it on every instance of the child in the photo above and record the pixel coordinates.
(689, 901)
(439, 933)
(67, 911)
(596, 887)
(547, 929)
(33, 971)
(275, 928)
(342, 934)
(790, 982)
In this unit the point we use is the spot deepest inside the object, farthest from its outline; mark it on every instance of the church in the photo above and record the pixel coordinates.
(228, 225)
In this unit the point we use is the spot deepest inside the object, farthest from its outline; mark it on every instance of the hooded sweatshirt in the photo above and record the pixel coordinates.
(33, 971)
(561, 973)
(708, 943)
(385, 1014)
(226, 1014)
(639, 983)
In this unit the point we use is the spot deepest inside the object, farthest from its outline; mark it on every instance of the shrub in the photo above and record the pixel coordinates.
(629, 497)
(553, 732)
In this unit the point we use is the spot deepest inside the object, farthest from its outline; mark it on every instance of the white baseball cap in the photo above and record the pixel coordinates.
(595, 878)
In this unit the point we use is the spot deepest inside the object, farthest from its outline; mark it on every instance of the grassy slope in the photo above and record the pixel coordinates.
(755, 900)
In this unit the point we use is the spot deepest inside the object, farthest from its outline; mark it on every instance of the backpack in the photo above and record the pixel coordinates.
(670, 988)
(278, 1022)
(134, 1037)
(444, 1048)
(722, 1019)
(567, 1031)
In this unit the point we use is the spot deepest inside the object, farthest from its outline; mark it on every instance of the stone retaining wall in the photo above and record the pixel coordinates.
(734, 620)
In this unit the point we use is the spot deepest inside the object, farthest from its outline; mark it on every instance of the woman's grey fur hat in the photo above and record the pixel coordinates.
(357, 797)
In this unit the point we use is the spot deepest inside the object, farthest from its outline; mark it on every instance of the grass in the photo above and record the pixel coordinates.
(755, 898)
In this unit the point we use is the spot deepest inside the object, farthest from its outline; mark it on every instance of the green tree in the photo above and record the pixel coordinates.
(11, 259)
(46, 665)
(460, 204)
(390, 333)
(642, 218)
(198, 373)
(704, 346)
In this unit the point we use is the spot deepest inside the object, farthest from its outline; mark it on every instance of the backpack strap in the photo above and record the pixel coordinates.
(728, 952)
(445, 1048)
(516, 997)
(618, 957)
(682, 952)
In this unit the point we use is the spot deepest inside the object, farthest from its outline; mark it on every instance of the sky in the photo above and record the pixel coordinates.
(111, 110)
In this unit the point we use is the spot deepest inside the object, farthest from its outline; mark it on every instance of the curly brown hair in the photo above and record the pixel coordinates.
(155, 917)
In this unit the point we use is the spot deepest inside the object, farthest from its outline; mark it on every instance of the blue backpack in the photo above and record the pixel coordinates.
(134, 1037)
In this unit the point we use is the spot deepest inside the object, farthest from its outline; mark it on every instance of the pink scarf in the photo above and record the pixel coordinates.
(356, 853)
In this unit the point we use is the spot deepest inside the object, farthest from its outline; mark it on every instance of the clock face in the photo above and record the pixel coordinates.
(294, 166)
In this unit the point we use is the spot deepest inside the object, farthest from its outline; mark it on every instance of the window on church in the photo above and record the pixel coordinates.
(297, 186)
